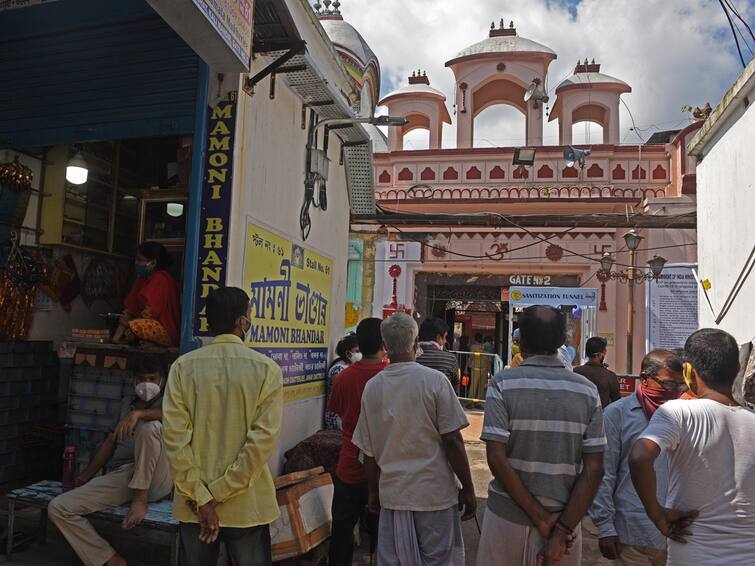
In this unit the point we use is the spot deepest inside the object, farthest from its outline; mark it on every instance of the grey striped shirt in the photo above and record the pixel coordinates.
(547, 416)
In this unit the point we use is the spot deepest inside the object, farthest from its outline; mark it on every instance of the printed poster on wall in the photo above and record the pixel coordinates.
(671, 307)
(290, 291)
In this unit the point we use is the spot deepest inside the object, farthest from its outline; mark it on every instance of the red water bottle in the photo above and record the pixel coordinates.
(69, 468)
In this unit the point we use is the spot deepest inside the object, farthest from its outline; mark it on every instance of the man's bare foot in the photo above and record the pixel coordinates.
(116, 560)
(138, 510)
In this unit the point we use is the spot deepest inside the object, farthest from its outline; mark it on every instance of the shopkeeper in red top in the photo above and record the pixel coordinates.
(152, 315)
(350, 493)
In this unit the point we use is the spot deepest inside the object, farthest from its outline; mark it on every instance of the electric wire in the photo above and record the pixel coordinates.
(734, 33)
(514, 224)
(476, 259)
(733, 8)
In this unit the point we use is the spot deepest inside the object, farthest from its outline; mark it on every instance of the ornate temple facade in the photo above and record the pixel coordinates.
(464, 274)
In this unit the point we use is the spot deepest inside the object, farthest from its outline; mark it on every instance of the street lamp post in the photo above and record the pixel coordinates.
(632, 240)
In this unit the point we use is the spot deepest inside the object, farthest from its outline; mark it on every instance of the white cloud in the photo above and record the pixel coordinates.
(672, 52)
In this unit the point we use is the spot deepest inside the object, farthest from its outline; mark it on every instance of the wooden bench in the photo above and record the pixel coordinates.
(158, 517)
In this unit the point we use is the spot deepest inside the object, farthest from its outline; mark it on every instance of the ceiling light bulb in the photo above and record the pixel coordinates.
(77, 170)
(174, 209)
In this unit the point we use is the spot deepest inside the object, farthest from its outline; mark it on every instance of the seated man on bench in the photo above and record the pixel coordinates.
(137, 471)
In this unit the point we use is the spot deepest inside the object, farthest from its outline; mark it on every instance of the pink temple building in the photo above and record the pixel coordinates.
(463, 273)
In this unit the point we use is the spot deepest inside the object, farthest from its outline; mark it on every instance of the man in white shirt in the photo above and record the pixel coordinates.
(409, 431)
(709, 514)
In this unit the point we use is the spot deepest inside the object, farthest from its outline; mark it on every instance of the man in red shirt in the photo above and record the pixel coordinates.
(350, 495)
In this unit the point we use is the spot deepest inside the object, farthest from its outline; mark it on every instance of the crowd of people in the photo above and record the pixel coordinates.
(667, 474)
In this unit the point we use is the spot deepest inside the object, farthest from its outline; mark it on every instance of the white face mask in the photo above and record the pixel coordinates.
(355, 357)
(147, 391)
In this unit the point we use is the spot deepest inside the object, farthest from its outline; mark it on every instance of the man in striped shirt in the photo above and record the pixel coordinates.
(544, 433)
(433, 336)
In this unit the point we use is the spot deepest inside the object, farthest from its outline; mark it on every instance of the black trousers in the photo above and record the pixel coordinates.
(349, 505)
(246, 547)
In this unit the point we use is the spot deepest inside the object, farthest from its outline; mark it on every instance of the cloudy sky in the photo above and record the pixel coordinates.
(672, 52)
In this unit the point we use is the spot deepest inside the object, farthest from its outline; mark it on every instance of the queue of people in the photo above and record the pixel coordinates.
(665, 480)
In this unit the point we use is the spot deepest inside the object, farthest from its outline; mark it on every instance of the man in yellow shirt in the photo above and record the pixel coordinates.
(221, 421)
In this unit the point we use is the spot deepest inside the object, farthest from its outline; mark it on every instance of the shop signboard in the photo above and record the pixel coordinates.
(290, 290)
(671, 307)
(220, 31)
(232, 19)
(215, 213)
(16, 4)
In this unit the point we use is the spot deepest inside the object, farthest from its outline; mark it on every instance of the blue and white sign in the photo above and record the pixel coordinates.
(553, 296)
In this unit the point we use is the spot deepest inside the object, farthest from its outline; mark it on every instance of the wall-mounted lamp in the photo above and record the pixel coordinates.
(77, 170)
(524, 156)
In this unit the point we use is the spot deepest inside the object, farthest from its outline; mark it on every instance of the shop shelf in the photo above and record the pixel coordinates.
(90, 421)
(94, 405)
(11, 444)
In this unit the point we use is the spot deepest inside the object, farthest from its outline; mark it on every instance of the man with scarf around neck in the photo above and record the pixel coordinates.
(707, 514)
(625, 533)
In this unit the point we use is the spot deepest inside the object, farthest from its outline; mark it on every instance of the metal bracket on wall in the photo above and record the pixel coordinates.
(277, 66)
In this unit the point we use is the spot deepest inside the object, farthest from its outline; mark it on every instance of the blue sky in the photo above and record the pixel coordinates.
(672, 52)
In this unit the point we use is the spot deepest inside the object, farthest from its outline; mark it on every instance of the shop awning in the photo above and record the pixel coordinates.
(301, 75)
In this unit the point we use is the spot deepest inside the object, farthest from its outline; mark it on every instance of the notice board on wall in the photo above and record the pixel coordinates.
(671, 307)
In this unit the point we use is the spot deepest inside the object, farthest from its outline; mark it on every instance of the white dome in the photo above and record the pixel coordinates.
(415, 89)
(343, 34)
(503, 44)
(591, 78)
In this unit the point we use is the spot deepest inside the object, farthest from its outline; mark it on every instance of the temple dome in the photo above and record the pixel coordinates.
(592, 79)
(502, 41)
(357, 57)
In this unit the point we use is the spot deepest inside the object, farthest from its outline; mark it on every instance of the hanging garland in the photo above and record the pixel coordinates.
(19, 271)
(15, 176)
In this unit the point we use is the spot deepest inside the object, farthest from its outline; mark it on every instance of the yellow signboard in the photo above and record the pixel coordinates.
(290, 290)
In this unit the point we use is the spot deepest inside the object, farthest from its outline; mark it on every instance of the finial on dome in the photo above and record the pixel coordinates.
(492, 26)
(419, 77)
(337, 8)
(593, 61)
(511, 24)
(317, 6)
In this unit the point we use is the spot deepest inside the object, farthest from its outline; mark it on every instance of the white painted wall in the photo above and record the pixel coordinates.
(726, 218)
(269, 190)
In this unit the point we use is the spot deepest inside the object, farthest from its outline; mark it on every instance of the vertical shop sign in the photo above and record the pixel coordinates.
(290, 289)
(212, 260)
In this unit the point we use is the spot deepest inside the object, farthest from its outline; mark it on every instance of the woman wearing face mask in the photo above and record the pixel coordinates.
(348, 353)
(152, 313)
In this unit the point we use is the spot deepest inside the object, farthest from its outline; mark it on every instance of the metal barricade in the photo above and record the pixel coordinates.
(476, 369)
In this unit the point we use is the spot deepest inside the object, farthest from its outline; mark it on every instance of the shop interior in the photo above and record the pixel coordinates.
(72, 218)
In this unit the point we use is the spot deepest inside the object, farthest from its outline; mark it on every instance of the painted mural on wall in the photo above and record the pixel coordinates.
(290, 291)
(215, 216)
